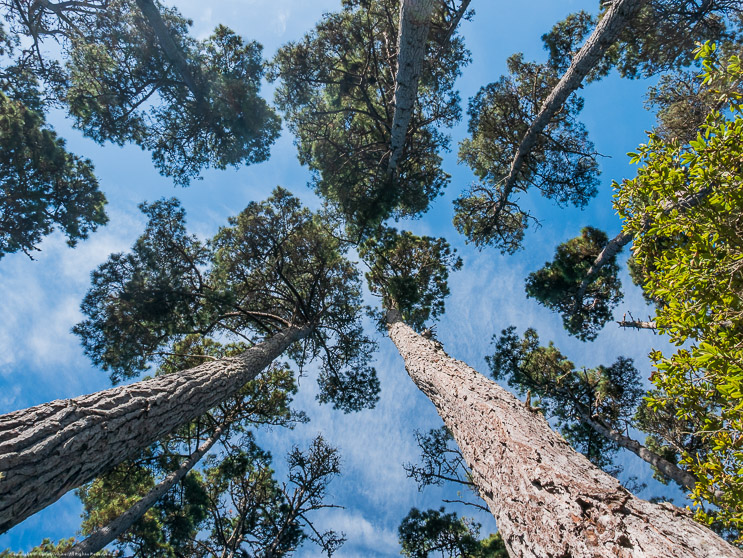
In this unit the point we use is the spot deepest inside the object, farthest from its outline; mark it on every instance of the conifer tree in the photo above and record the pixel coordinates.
(129, 72)
(114, 508)
(546, 498)
(594, 408)
(43, 187)
(437, 533)
(524, 134)
(274, 277)
(338, 89)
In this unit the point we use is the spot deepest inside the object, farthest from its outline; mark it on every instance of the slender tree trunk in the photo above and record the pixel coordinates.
(106, 534)
(173, 52)
(457, 19)
(547, 499)
(607, 254)
(52, 448)
(415, 22)
(638, 324)
(615, 245)
(672, 471)
(606, 32)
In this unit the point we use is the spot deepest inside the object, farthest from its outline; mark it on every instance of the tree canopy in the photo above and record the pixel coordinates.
(336, 89)
(369, 94)
(690, 262)
(562, 165)
(274, 265)
(43, 186)
(121, 83)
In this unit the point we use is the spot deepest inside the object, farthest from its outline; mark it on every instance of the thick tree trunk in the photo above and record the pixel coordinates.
(106, 534)
(547, 499)
(173, 52)
(52, 448)
(606, 32)
(415, 22)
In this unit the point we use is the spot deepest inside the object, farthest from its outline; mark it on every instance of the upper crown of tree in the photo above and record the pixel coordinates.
(337, 88)
(275, 265)
(129, 72)
(410, 273)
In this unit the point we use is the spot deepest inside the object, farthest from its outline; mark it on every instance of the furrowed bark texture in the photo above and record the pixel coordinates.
(106, 534)
(169, 46)
(52, 448)
(547, 499)
(606, 32)
(415, 22)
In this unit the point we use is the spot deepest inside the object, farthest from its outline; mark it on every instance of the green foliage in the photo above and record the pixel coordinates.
(558, 284)
(683, 101)
(165, 527)
(410, 273)
(606, 394)
(669, 435)
(437, 533)
(42, 186)
(660, 38)
(561, 165)
(254, 515)
(337, 85)
(690, 257)
(275, 265)
(235, 505)
(120, 86)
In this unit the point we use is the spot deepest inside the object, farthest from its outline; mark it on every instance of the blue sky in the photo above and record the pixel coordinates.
(41, 360)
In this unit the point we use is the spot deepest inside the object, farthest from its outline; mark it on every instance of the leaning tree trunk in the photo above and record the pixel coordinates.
(670, 470)
(415, 22)
(547, 499)
(173, 52)
(52, 448)
(615, 245)
(106, 534)
(606, 32)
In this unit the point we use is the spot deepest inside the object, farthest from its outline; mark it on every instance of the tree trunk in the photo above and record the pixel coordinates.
(106, 534)
(52, 448)
(457, 19)
(638, 324)
(615, 245)
(606, 32)
(415, 22)
(670, 470)
(547, 499)
(173, 52)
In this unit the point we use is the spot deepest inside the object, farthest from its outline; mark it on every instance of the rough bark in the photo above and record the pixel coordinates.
(52, 448)
(547, 499)
(169, 46)
(415, 22)
(106, 534)
(603, 36)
